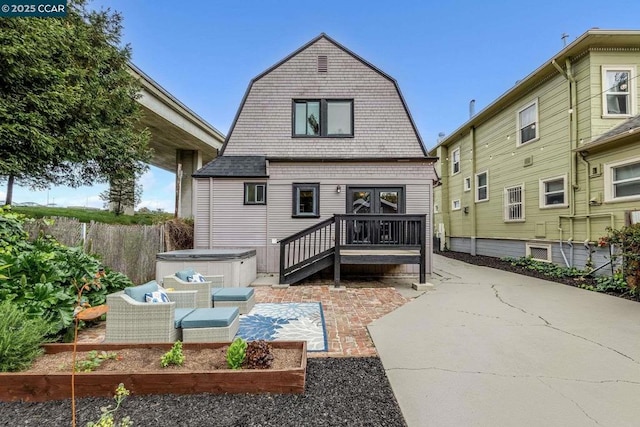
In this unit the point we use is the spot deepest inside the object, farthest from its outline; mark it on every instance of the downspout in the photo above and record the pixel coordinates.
(573, 137)
(474, 231)
(587, 189)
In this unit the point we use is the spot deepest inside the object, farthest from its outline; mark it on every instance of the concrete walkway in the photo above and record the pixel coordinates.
(491, 348)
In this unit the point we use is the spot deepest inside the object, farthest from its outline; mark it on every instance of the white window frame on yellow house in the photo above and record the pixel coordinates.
(477, 198)
(454, 162)
(609, 90)
(456, 205)
(511, 206)
(535, 124)
(544, 193)
(467, 184)
(610, 182)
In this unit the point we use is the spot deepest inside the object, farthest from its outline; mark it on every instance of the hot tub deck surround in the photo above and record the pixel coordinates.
(347, 313)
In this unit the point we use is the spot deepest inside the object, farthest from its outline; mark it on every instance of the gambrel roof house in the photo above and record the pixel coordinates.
(549, 165)
(322, 133)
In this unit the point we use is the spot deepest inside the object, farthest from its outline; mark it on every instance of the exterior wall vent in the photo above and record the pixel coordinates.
(596, 170)
(322, 63)
(528, 161)
(539, 252)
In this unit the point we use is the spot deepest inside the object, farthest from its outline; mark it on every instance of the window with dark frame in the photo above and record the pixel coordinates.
(255, 193)
(306, 200)
(323, 118)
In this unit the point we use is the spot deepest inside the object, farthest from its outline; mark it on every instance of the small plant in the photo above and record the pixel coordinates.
(94, 360)
(107, 419)
(20, 338)
(259, 355)
(236, 353)
(175, 356)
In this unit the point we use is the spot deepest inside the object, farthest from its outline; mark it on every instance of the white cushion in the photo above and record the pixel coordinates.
(197, 277)
(158, 296)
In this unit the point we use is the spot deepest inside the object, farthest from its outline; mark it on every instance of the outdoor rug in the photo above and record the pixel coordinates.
(302, 321)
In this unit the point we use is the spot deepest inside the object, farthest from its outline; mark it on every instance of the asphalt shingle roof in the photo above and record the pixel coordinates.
(234, 167)
(631, 123)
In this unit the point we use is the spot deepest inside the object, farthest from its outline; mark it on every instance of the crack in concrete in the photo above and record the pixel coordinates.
(496, 374)
(549, 325)
(570, 400)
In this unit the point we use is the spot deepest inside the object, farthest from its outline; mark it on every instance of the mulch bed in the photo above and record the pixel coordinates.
(498, 263)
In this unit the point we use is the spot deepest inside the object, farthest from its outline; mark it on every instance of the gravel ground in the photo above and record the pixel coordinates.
(339, 391)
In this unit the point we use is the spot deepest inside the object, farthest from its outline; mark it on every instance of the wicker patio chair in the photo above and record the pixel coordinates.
(129, 320)
(203, 288)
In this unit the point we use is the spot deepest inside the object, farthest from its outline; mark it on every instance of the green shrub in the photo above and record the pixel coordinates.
(175, 356)
(94, 359)
(627, 242)
(107, 418)
(21, 338)
(236, 353)
(40, 277)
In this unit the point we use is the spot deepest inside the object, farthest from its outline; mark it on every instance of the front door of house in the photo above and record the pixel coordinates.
(373, 200)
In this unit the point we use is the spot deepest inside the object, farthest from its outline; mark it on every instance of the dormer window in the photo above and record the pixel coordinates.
(323, 118)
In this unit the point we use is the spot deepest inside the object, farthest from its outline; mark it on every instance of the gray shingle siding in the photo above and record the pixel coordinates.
(234, 166)
(382, 125)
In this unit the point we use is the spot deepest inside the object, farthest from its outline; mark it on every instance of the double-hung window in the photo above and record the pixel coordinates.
(323, 117)
(255, 193)
(514, 203)
(618, 94)
(306, 200)
(528, 123)
(622, 181)
(553, 192)
(455, 161)
(482, 186)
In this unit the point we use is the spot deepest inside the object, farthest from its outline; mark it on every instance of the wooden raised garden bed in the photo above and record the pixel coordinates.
(39, 387)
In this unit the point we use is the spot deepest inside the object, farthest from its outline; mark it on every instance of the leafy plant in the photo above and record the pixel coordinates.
(259, 355)
(236, 353)
(21, 338)
(107, 419)
(94, 360)
(39, 277)
(627, 241)
(175, 356)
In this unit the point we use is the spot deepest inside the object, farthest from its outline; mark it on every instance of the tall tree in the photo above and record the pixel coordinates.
(68, 109)
(123, 193)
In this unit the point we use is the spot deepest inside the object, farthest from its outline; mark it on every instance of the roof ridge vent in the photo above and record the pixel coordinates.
(322, 63)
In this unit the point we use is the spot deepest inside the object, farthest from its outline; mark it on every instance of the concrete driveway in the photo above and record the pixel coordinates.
(492, 348)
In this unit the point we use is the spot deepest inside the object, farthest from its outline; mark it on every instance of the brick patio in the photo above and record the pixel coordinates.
(347, 312)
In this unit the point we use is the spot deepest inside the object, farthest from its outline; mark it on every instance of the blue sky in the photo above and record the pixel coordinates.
(442, 53)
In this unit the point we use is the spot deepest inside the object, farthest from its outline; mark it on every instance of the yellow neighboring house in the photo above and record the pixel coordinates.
(546, 167)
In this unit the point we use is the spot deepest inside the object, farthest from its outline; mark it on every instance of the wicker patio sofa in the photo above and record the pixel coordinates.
(179, 282)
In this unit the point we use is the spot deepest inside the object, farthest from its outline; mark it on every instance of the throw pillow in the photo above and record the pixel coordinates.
(158, 296)
(197, 277)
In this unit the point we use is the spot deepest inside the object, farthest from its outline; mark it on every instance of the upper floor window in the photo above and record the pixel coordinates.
(455, 161)
(514, 203)
(622, 180)
(553, 192)
(323, 117)
(467, 183)
(306, 200)
(528, 123)
(482, 186)
(617, 88)
(255, 193)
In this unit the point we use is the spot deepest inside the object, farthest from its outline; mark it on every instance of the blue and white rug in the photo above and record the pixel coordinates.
(302, 321)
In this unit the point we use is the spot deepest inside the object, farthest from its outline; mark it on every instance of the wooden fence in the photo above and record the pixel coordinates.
(129, 249)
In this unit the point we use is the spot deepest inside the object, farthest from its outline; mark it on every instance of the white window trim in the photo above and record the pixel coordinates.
(477, 188)
(505, 204)
(608, 181)
(518, 127)
(466, 183)
(457, 150)
(453, 204)
(539, 246)
(542, 199)
(632, 89)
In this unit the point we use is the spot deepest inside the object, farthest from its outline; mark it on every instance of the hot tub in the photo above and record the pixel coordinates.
(238, 266)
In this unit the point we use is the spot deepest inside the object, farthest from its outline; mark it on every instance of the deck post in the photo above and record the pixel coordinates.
(423, 249)
(282, 252)
(336, 255)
